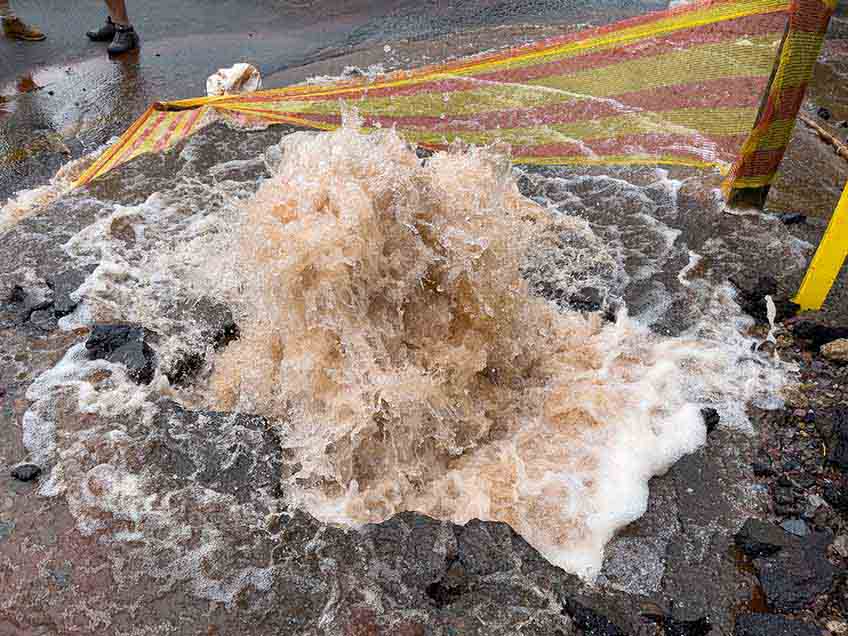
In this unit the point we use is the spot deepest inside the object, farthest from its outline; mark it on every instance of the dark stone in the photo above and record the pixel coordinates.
(483, 547)
(428, 562)
(6, 529)
(837, 440)
(784, 495)
(762, 469)
(231, 453)
(423, 153)
(64, 285)
(217, 323)
(43, 319)
(771, 625)
(587, 299)
(824, 113)
(672, 627)
(26, 472)
(450, 588)
(17, 295)
(837, 496)
(759, 538)
(794, 577)
(123, 344)
(589, 621)
(216, 327)
(297, 531)
(816, 333)
(185, 368)
(25, 302)
(531, 187)
(752, 291)
(791, 464)
(782, 510)
(794, 218)
(711, 419)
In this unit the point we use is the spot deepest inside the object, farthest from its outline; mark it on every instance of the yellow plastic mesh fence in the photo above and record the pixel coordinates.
(762, 152)
(683, 86)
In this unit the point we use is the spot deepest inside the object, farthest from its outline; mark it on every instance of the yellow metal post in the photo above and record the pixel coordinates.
(828, 260)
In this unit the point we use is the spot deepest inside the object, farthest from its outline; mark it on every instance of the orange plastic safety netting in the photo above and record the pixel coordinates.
(684, 86)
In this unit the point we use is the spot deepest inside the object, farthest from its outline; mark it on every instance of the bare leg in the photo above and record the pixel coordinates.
(117, 11)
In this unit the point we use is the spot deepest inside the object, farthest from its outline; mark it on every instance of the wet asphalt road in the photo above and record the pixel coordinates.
(63, 97)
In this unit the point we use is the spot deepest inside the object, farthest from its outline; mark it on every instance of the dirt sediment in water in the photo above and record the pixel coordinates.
(387, 322)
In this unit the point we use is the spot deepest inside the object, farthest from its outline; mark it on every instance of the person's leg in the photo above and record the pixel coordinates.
(16, 29)
(118, 12)
(117, 29)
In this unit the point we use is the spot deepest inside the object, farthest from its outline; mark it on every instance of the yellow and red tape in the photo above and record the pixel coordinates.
(678, 87)
(714, 84)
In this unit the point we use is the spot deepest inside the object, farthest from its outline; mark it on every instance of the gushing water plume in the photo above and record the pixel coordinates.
(388, 327)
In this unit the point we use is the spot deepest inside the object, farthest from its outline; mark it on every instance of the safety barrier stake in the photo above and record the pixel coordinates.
(828, 260)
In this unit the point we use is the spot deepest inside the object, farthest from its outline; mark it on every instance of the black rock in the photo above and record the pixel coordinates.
(752, 291)
(837, 496)
(771, 625)
(787, 510)
(25, 302)
(784, 495)
(672, 627)
(450, 588)
(185, 368)
(758, 538)
(805, 481)
(786, 482)
(43, 319)
(817, 334)
(63, 285)
(531, 187)
(587, 299)
(794, 577)
(17, 295)
(762, 469)
(423, 153)
(123, 344)
(711, 419)
(218, 325)
(837, 440)
(791, 464)
(198, 445)
(589, 621)
(794, 218)
(483, 547)
(824, 113)
(26, 472)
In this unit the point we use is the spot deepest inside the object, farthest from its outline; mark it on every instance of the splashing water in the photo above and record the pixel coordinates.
(388, 328)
